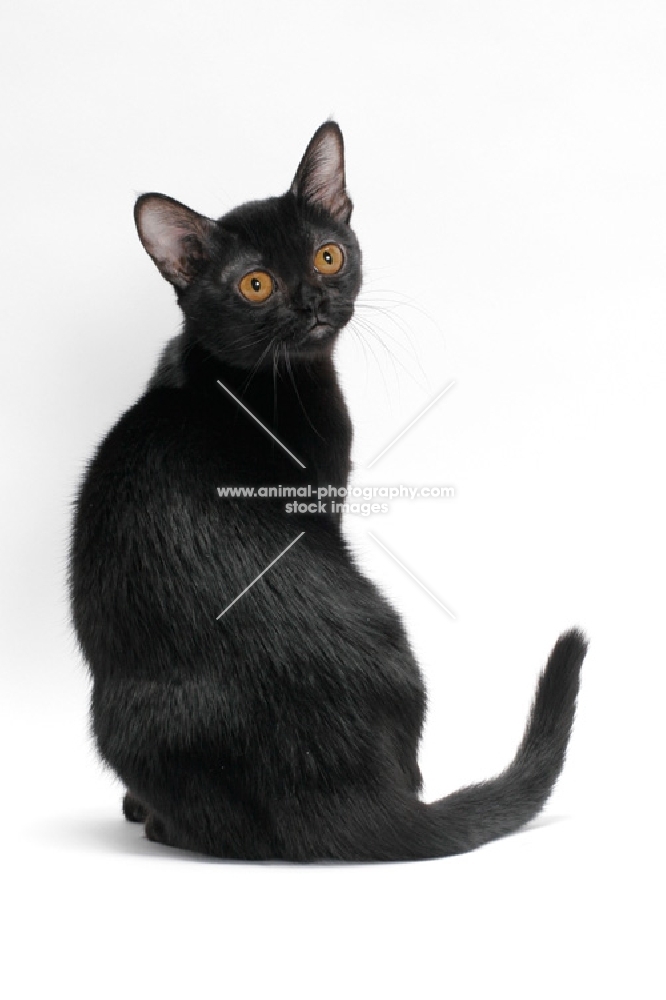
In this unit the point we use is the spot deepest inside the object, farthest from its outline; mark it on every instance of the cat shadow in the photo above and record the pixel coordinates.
(112, 836)
(117, 836)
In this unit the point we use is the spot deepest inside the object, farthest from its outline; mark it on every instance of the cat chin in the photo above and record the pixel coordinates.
(318, 333)
(318, 341)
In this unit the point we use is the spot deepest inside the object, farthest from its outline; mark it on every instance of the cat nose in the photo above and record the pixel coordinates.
(310, 299)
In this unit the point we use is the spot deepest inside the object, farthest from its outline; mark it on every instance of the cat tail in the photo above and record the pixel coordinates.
(480, 813)
(405, 828)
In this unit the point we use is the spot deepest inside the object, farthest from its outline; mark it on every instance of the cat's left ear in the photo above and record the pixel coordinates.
(320, 178)
(175, 237)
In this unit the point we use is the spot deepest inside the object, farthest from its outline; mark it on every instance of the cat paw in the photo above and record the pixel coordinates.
(133, 810)
(156, 830)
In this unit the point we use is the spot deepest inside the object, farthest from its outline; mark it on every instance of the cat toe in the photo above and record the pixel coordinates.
(155, 829)
(133, 809)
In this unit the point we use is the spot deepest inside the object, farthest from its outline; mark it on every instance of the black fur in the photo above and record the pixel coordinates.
(289, 728)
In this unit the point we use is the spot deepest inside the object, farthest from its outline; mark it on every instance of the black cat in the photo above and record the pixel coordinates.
(287, 727)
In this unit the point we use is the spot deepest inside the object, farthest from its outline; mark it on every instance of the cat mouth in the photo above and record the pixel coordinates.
(318, 330)
(315, 333)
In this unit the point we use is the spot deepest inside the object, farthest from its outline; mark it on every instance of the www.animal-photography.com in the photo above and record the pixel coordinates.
(332, 644)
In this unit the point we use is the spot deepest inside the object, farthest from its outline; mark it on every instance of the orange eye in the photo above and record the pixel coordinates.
(329, 259)
(256, 286)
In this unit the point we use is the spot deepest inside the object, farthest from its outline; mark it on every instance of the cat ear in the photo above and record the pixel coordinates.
(175, 237)
(320, 178)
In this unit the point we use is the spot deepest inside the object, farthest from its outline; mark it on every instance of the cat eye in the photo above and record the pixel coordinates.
(256, 286)
(329, 259)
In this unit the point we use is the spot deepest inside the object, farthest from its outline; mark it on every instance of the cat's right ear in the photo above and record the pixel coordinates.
(176, 238)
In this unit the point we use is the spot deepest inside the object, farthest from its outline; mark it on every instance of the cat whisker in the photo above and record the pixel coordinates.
(290, 373)
(255, 369)
(390, 298)
(375, 335)
(368, 343)
(353, 329)
(404, 342)
(276, 347)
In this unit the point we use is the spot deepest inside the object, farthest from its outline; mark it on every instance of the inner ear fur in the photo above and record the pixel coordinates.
(320, 178)
(175, 237)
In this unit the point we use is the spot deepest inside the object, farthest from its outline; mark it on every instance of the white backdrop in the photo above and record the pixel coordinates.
(507, 164)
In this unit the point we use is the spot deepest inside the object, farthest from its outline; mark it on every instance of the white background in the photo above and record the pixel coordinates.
(507, 163)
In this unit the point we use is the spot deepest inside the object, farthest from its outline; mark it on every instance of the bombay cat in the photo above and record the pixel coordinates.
(288, 728)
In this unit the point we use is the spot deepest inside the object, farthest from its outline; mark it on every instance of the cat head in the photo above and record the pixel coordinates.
(271, 278)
